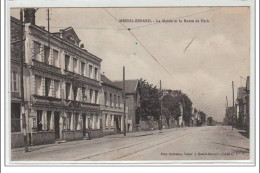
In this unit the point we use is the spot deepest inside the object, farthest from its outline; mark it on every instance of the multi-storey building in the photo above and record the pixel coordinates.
(241, 106)
(61, 85)
(112, 106)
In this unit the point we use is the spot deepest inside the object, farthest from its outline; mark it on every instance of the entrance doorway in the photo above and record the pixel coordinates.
(15, 117)
(117, 124)
(57, 124)
(84, 124)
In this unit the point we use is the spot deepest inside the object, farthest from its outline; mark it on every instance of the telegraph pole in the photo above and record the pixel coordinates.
(233, 111)
(227, 102)
(161, 127)
(48, 19)
(124, 117)
(21, 82)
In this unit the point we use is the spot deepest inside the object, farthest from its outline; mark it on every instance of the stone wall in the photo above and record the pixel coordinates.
(39, 138)
(17, 140)
(72, 135)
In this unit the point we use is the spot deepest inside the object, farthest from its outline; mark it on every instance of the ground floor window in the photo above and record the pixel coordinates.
(68, 121)
(112, 120)
(106, 120)
(39, 120)
(76, 121)
(15, 117)
(48, 120)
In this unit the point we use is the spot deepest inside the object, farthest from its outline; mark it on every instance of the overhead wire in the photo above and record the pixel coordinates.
(133, 35)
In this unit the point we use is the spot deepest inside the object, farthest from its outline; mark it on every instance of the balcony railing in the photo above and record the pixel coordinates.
(46, 100)
(15, 95)
(45, 66)
(76, 76)
(80, 104)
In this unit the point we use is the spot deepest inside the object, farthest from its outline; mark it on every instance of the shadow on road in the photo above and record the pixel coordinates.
(244, 133)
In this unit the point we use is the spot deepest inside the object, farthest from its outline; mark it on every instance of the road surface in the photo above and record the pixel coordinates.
(189, 143)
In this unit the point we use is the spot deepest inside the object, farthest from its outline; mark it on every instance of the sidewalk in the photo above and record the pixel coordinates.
(93, 141)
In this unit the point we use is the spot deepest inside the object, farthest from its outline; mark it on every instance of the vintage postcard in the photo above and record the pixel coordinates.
(132, 84)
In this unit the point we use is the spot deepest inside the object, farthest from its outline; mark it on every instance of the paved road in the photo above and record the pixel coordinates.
(190, 143)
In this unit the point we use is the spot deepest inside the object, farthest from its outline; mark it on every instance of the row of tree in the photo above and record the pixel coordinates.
(174, 104)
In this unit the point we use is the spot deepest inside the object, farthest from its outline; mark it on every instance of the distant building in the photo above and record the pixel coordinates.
(133, 103)
(241, 106)
(230, 117)
(247, 111)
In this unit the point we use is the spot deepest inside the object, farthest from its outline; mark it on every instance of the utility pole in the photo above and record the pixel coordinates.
(233, 111)
(48, 19)
(227, 102)
(161, 127)
(21, 82)
(124, 117)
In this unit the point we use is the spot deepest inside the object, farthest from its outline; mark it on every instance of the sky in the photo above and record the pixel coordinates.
(201, 59)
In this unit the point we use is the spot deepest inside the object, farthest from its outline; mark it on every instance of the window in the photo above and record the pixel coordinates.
(38, 85)
(100, 123)
(90, 71)
(76, 121)
(82, 68)
(75, 92)
(96, 97)
(106, 120)
(67, 62)
(46, 54)
(91, 95)
(97, 122)
(95, 73)
(39, 120)
(36, 51)
(112, 120)
(75, 65)
(110, 96)
(48, 87)
(68, 121)
(118, 100)
(48, 120)
(84, 96)
(64, 123)
(55, 58)
(14, 81)
(56, 88)
(90, 123)
(114, 100)
(105, 97)
(68, 85)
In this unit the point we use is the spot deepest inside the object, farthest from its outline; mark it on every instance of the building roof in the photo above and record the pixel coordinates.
(108, 82)
(130, 85)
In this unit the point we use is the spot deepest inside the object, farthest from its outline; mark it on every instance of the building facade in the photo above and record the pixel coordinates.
(132, 102)
(241, 107)
(112, 107)
(62, 85)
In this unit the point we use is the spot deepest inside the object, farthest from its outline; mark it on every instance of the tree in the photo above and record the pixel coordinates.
(173, 100)
(149, 100)
(203, 117)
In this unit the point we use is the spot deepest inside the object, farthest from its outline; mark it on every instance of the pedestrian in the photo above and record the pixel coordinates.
(40, 126)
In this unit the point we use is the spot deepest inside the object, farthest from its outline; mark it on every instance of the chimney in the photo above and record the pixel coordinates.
(62, 33)
(29, 15)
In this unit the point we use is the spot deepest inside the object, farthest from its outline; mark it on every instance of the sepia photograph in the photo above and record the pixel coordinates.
(132, 84)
